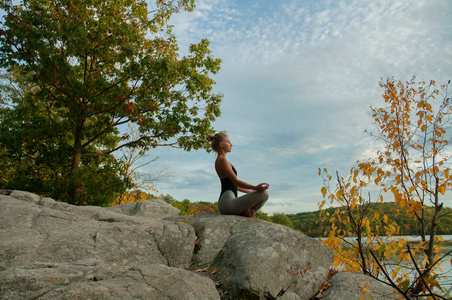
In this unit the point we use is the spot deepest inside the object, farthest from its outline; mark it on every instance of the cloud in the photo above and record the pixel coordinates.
(298, 80)
(196, 179)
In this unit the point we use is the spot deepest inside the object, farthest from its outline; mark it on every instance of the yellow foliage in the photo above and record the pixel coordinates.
(412, 168)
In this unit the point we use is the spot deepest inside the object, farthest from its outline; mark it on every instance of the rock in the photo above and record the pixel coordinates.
(258, 259)
(22, 195)
(266, 260)
(145, 250)
(104, 281)
(351, 286)
(59, 232)
(212, 232)
(150, 208)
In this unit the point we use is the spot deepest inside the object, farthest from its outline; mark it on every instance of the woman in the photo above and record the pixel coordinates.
(229, 203)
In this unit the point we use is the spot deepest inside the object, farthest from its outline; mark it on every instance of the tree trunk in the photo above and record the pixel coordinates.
(429, 248)
(76, 158)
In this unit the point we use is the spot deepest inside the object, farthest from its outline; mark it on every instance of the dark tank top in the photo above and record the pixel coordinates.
(227, 185)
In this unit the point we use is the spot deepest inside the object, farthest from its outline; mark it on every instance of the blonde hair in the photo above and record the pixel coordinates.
(216, 139)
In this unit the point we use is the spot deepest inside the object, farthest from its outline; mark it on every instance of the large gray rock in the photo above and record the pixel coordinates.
(267, 260)
(26, 196)
(257, 259)
(94, 280)
(59, 232)
(212, 231)
(151, 208)
(353, 286)
(53, 250)
(21, 195)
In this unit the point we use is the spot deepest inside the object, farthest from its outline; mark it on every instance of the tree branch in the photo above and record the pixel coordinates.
(392, 283)
(421, 274)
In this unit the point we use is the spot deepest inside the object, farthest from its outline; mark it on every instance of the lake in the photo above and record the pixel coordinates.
(445, 264)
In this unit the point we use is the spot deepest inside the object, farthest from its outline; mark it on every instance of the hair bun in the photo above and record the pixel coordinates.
(215, 139)
(210, 137)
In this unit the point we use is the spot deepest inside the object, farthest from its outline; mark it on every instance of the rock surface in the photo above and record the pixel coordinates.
(145, 250)
(353, 286)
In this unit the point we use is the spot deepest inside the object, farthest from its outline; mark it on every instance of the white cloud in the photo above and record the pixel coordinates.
(298, 80)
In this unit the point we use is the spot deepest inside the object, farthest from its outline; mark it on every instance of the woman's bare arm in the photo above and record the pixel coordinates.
(224, 169)
(244, 190)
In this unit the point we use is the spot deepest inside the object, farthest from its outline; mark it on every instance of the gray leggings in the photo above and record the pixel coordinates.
(230, 205)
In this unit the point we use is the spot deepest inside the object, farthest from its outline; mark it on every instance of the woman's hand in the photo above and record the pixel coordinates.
(262, 187)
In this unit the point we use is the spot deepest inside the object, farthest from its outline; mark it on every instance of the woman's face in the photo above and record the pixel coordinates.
(226, 145)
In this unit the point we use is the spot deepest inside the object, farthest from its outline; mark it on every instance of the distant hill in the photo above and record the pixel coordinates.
(309, 222)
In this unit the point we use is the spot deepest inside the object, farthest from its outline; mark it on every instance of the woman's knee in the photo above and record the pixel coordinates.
(264, 195)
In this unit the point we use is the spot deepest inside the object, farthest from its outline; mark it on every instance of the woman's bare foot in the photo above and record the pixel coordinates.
(249, 213)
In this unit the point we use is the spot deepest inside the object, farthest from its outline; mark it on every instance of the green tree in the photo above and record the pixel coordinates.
(263, 216)
(283, 219)
(96, 65)
(188, 208)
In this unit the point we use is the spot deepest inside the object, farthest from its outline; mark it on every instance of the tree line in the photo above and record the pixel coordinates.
(312, 223)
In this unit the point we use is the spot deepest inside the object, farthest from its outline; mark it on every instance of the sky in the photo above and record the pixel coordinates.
(298, 79)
